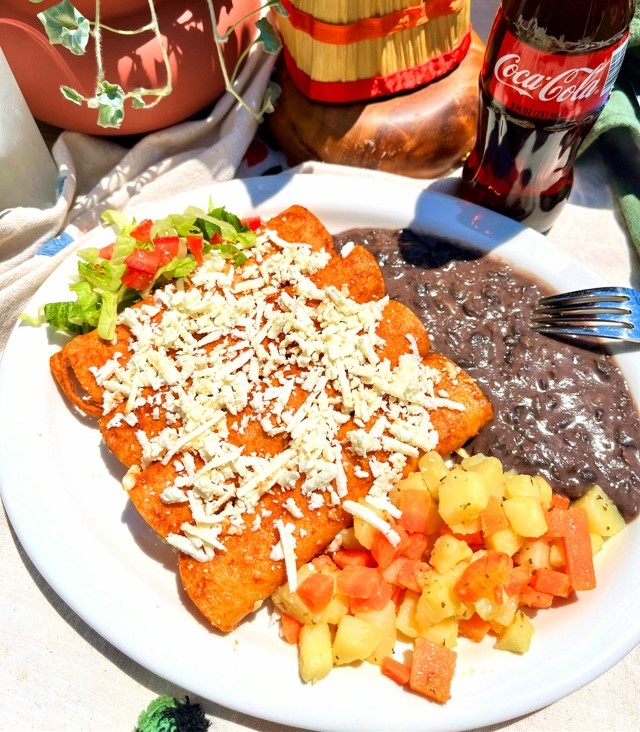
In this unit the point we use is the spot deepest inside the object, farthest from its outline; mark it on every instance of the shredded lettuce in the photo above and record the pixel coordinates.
(99, 292)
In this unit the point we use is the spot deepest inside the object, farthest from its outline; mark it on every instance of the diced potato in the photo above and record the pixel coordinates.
(438, 599)
(348, 539)
(526, 515)
(447, 552)
(315, 653)
(363, 531)
(355, 640)
(336, 609)
(491, 468)
(557, 556)
(290, 603)
(602, 513)
(517, 636)
(505, 613)
(534, 553)
(385, 619)
(444, 633)
(463, 495)
(504, 540)
(546, 492)
(521, 485)
(597, 542)
(406, 614)
(433, 470)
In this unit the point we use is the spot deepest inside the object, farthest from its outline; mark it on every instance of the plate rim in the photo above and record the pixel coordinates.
(261, 194)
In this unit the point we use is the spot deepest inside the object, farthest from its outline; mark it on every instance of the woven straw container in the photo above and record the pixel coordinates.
(353, 50)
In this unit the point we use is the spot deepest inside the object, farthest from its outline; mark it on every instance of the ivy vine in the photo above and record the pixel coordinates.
(65, 25)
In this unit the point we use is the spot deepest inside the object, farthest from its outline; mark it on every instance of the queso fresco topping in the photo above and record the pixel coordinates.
(248, 336)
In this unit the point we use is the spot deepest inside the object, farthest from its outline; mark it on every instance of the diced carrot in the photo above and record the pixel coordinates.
(397, 595)
(556, 518)
(391, 572)
(519, 577)
(408, 576)
(377, 600)
(356, 557)
(530, 597)
(383, 551)
(395, 670)
(493, 517)
(361, 582)
(474, 628)
(316, 591)
(290, 629)
(415, 505)
(559, 501)
(552, 581)
(485, 577)
(475, 539)
(415, 546)
(432, 669)
(577, 544)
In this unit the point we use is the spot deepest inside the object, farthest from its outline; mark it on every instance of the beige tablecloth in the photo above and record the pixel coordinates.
(56, 673)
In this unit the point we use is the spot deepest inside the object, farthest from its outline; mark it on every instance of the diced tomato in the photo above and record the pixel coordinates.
(195, 244)
(166, 248)
(143, 260)
(107, 252)
(253, 222)
(137, 279)
(485, 577)
(142, 232)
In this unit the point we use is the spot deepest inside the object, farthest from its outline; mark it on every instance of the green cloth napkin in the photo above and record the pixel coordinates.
(618, 128)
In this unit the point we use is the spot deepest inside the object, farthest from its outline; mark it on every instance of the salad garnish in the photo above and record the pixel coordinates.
(145, 254)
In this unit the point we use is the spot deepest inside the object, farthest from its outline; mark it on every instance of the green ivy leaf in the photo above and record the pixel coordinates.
(267, 36)
(67, 92)
(275, 5)
(271, 96)
(65, 25)
(110, 102)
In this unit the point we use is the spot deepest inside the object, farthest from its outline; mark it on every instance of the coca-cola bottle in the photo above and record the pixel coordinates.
(548, 71)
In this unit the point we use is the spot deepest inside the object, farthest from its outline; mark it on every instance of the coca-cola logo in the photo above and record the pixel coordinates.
(570, 85)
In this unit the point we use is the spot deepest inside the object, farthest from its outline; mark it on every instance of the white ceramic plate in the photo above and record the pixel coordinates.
(62, 492)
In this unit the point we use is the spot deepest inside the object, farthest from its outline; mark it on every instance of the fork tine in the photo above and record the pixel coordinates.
(602, 331)
(597, 294)
(590, 315)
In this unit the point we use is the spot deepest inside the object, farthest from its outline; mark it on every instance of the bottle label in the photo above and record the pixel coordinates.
(550, 86)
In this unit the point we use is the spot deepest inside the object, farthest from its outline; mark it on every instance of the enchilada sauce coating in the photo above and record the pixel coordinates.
(562, 409)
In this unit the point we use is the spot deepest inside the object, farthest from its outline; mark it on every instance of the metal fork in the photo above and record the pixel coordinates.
(600, 312)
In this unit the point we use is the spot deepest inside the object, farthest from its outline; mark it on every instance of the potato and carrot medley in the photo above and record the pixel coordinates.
(462, 550)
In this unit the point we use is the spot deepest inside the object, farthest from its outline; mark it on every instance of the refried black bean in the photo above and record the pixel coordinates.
(562, 409)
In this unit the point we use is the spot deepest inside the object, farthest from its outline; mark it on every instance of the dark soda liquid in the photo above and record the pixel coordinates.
(522, 169)
(520, 166)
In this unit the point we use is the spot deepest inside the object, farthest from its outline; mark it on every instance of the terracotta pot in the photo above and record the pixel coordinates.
(132, 61)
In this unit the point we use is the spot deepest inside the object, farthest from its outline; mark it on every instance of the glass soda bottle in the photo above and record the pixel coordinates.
(548, 70)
